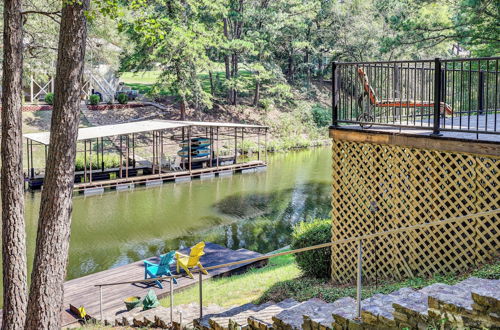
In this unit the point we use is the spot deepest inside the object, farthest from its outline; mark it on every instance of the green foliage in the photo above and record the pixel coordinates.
(49, 98)
(110, 161)
(322, 116)
(315, 263)
(94, 99)
(304, 288)
(122, 98)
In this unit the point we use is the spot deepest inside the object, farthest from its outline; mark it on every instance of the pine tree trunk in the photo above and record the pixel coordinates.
(15, 290)
(256, 96)
(52, 242)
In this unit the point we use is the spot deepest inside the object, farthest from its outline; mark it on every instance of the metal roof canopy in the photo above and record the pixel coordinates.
(132, 127)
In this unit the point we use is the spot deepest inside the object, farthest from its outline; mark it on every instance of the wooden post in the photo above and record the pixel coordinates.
(265, 145)
(201, 294)
(235, 145)
(28, 157)
(217, 155)
(85, 161)
(121, 156)
(211, 145)
(126, 160)
(133, 149)
(161, 151)
(102, 154)
(31, 89)
(189, 148)
(90, 160)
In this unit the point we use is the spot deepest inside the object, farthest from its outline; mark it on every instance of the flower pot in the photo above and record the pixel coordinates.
(132, 302)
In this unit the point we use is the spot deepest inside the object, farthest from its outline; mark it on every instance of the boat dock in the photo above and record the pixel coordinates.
(83, 291)
(180, 176)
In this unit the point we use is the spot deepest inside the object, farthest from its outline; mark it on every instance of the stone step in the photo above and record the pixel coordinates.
(322, 318)
(457, 304)
(222, 321)
(292, 318)
(264, 319)
(240, 321)
(205, 322)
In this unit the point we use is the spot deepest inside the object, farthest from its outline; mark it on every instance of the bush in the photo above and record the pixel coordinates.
(49, 98)
(321, 115)
(110, 161)
(122, 98)
(94, 99)
(315, 263)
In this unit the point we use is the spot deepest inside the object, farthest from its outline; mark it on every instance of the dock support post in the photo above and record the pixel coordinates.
(90, 160)
(201, 294)
(217, 137)
(358, 281)
(100, 302)
(121, 156)
(171, 300)
(85, 161)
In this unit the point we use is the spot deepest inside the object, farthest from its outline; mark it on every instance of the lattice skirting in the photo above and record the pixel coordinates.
(382, 187)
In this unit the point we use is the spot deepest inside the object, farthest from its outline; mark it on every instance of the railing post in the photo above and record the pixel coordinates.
(437, 97)
(358, 280)
(171, 301)
(100, 302)
(201, 294)
(335, 115)
(480, 91)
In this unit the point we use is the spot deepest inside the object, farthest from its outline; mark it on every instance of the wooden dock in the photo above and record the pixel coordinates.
(83, 292)
(159, 178)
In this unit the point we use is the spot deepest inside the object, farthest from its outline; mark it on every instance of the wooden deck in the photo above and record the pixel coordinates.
(82, 291)
(170, 176)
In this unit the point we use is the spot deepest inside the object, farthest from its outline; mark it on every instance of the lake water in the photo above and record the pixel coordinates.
(254, 211)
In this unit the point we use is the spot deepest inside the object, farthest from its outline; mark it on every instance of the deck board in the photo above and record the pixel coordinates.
(82, 291)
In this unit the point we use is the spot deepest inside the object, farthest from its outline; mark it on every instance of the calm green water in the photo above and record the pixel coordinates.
(254, 211)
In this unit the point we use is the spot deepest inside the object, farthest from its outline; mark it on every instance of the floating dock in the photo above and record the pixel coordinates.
(83, 292)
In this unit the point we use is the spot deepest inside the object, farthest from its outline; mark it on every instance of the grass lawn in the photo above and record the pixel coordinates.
(240, 289)
(281, 279)
(144, 81)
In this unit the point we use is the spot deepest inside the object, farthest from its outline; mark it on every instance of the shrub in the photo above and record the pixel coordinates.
(94, 99)
(321, 115)
(122, 98)
(49, 98)
(315, 263)
(110, 161)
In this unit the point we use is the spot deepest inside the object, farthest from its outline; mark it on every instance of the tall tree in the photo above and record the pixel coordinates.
(15, 292)
(52, 243)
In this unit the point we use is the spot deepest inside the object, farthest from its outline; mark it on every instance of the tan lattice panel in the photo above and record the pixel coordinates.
(382, 187)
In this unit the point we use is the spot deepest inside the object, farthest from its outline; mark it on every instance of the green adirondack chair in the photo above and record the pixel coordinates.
(152, 270)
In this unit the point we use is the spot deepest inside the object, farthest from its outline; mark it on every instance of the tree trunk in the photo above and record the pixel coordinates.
(183, 108)
(15, 290)
(227, 61)
(256, 96)
(212, 87)
(52, 242)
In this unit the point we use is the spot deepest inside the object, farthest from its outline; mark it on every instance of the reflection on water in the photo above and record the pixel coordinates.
(254, 211)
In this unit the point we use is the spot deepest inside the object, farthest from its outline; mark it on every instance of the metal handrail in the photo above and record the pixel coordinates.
(357, 239)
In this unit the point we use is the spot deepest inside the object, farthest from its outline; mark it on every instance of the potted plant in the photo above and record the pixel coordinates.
(132, 302)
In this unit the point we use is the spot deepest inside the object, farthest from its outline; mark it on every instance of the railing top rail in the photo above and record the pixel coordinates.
(423, 61)
(324, 245)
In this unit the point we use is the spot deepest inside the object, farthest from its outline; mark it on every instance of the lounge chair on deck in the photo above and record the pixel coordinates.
(152, 270)
(176, 164)
(192, 260)
(386, 103)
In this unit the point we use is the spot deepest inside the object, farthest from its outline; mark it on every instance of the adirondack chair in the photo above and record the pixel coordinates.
(152, 270)
(376, 102)
(176, 164)
(192, 260)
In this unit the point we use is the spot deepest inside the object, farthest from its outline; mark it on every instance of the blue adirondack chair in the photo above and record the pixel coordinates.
(152, 270)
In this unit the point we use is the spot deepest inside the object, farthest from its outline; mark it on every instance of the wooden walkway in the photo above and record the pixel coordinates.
(82, 291)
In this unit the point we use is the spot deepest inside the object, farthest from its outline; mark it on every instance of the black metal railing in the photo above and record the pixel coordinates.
(438, 95)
